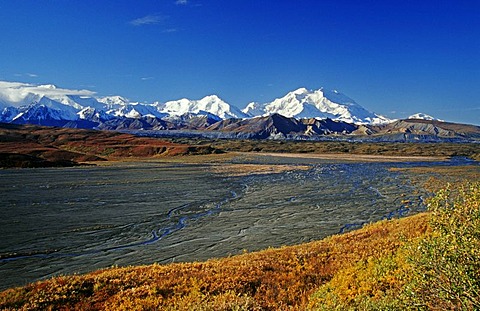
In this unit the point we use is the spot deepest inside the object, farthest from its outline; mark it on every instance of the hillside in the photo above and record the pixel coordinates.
(276, 126)
(36, 146)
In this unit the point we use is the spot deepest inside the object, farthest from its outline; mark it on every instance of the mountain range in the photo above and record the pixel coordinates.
(300, 114)
(21, 102)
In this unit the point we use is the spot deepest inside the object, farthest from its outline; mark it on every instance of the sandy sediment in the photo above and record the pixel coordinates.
(254, 169)
(222, 163)
(354, 157)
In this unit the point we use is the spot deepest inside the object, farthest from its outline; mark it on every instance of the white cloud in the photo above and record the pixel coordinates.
(170, 30)
(31, 75)
(181, 2)
(151, 19)
(147, 78)
(17, 92)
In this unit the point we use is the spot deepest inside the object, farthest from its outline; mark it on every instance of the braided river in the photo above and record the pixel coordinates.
(57, 221)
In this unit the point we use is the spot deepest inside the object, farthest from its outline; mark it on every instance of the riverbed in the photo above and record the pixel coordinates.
(74, 220)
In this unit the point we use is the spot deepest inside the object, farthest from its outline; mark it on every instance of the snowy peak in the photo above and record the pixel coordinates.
(298, 93)
(254, 109)
(211, 104)
(423, 116)
(70, 105)
(47, 86)
(337, 97)
(320, 104)
(113, 100)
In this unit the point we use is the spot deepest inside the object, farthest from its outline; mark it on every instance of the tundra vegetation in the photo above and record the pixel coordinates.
(437, 270)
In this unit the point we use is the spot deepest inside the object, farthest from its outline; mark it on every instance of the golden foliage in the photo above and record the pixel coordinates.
(437, 270)
(447, 262)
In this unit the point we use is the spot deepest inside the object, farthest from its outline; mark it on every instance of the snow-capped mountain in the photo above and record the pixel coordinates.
(423, 116)
(18, 94)
(28, 103)
(319, 104)
(50, 105)
(301, 114)
(113, 101)
(93, 114)
(210, 104)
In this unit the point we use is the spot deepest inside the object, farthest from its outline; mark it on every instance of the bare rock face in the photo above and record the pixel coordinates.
(431, 128)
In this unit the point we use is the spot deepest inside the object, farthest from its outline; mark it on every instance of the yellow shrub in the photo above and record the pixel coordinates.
(447, 274)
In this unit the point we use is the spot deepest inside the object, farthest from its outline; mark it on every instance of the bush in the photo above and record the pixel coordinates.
(439, 270)
(371, 284)
(447, 263)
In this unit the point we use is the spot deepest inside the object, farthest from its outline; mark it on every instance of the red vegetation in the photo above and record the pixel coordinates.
(34, 146)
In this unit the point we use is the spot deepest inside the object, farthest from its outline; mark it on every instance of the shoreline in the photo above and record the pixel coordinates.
(351, 157)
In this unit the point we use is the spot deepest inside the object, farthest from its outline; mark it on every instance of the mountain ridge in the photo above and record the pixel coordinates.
(20, 99)
(301, 114)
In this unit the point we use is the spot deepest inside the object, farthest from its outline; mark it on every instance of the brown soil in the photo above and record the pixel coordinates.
(35, 146)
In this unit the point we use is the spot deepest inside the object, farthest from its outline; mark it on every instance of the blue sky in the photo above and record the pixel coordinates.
(395, 58)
